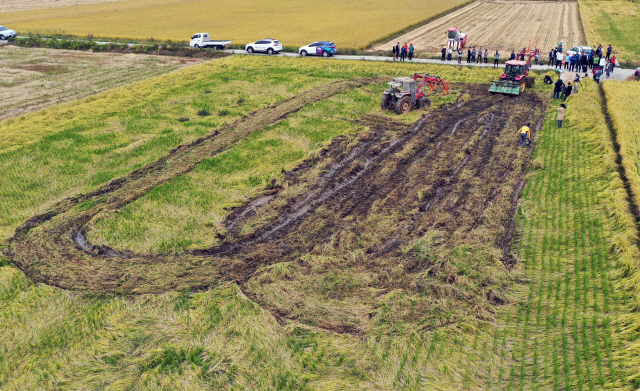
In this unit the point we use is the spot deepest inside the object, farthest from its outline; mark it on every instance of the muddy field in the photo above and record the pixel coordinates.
(396, 204)
(32, 79)
(503, 25)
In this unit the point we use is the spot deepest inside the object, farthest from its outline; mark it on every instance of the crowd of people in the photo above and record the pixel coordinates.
(402, 52)
(599, 61)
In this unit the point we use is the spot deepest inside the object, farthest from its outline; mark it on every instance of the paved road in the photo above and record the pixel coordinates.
(618, 74)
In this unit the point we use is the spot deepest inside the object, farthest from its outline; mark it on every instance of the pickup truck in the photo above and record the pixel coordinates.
(202, 40)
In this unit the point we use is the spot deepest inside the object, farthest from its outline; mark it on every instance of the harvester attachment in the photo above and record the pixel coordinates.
(506, 87)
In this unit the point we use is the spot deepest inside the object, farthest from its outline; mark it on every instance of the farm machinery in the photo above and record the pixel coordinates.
(516, 73)
(403, 94)
(455, 39)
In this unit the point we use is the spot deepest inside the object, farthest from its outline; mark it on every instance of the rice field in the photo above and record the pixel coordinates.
(613, 22)
(441, 311)
(33, 79)
(352, 24)
(501, 25)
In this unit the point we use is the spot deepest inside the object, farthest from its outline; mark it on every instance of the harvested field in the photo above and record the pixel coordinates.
(501, 25)
(32, 79)
(27, 5)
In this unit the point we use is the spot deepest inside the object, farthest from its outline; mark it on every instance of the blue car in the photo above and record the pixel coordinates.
(320, 48)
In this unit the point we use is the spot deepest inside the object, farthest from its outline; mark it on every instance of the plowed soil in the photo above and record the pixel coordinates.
(367, 201)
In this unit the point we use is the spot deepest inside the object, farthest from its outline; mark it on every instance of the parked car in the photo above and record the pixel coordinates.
(267, 45)
(202, 40)
(6, 33)
(580, 50)
(320, 48)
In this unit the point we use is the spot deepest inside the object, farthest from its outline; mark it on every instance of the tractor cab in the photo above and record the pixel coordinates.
(401, 86)
(515, 70)
(453, 34)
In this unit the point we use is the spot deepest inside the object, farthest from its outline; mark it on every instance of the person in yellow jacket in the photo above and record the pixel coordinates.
(525, 135)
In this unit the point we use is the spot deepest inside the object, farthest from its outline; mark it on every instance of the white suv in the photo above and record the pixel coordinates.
(6, 33)
(579, 50)
(267, 45)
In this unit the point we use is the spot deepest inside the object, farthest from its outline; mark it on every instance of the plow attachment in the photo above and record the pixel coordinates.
(506, 87)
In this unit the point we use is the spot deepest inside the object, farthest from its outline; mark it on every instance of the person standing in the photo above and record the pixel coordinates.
(572, 62)
(486, 55)
(595, 62)
(411, 51)
(536, 58)
(525, 135)
(576, 82)
(559, 59)
(607, 69)
(567, 92)
(403, 52)
(513, 55)
(552, 58)
(444, 52)
(397, 50)
(479, 59)
(496, 59)
(585, 63)
(394, 52)
(459, 56)
(614, 62)
(468, 55)
(449, 54)
(602, 62)
(561, 110)
(473, 55)
(609, 50)
(557, 89)
(560, 47)
(597, 75)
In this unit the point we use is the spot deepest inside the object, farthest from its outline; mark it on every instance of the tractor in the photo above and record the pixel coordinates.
(455, 39)
(516, 73)
(403, 94)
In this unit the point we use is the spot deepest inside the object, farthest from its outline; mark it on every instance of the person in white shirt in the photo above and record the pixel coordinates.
(559, 60)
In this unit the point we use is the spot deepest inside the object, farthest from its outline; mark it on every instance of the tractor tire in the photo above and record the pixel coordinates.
(424, 102)
(403, 105)
(386, 102)
(531, 81)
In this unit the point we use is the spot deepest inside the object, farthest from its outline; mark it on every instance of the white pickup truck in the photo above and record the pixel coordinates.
(202, 40)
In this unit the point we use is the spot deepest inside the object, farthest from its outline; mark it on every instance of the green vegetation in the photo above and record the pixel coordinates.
(440, 312)
(614, 22)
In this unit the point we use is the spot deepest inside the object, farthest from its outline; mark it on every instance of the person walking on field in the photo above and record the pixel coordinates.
(444, 53)
(486, 56)
(459, 56)
(449, 54)
(561, 110)
(410, 51)
(525, 135)
(496, 59)
(567, 92)
(557, 89)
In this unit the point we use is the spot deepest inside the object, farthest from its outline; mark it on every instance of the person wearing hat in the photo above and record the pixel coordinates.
(560, 46)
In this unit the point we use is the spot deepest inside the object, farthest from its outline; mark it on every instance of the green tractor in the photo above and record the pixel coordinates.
(516, 75)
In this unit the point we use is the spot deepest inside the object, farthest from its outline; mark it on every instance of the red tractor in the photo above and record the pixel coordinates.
(404, 95)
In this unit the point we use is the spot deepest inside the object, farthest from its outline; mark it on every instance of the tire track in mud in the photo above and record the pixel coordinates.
(45, 245)
(377, 174)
